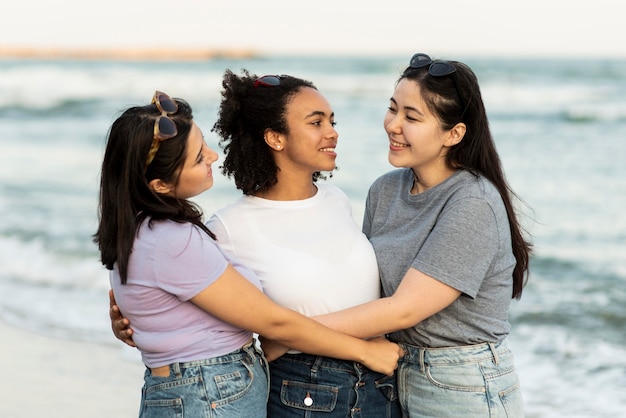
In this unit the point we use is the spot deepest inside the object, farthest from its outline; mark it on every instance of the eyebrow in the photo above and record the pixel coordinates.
(318, 113)
(410, 108)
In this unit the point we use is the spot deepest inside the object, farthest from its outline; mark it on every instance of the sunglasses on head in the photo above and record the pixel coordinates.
(269, 80)
(164, 127)
(436, 68)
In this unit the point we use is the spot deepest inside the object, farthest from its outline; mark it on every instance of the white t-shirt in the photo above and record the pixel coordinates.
(309, 254)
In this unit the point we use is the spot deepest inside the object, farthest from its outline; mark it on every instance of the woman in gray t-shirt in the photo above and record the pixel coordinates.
(450, 250)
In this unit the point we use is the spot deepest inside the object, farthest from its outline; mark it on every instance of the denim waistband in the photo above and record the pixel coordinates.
(322, 362)
(453, 355)
(249, 350)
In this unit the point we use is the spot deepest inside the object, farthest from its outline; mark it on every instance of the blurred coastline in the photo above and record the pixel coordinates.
(130, 54)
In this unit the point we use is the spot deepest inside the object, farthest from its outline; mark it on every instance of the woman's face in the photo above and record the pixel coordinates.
(416, 139)
(196, 175)
(310, 144)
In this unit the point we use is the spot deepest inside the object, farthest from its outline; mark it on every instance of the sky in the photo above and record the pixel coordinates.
(530, 28)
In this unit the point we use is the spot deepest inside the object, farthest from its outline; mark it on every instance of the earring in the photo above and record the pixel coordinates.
(278, 146)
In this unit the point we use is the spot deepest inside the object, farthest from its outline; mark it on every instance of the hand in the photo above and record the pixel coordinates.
(119, 324)
(272, 348)
(383, 355)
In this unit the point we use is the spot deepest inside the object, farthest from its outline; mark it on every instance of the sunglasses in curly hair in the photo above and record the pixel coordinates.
(269, 80)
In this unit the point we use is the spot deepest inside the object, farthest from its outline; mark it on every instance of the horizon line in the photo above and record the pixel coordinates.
(127, 53)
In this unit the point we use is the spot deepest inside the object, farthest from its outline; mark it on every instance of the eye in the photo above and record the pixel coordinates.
(201, 156)
(333, 123)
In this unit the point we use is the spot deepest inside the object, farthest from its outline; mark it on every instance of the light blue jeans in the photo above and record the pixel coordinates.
(234, 385)
(467, 381)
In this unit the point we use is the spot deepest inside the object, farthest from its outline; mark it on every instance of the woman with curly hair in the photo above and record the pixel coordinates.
(298, 235)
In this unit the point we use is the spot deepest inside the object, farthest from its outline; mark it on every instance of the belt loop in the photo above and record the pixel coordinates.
(254, 352)
(422, 352)
(249, 349)
(496, 360)
(176, 370)
(315, 368)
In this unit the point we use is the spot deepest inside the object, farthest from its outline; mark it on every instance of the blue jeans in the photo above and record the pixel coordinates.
(307, 386)
(468, 381)
(234, 385)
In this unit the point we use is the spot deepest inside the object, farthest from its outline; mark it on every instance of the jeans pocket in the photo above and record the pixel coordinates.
(232, 384)
(309, 396)
(163, 408)
(163, 397)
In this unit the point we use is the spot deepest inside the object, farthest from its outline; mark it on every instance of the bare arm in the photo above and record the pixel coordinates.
(418, 297)
(235, 300)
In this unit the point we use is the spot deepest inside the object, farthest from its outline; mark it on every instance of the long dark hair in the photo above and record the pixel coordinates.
(245, 112)
(126, 199)
(456, 98)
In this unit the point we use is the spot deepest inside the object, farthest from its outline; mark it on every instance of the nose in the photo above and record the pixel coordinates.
(332, 133)
(391, 123)
(211, 155)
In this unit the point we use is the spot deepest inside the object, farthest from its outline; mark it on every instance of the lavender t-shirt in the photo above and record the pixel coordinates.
(171, 263)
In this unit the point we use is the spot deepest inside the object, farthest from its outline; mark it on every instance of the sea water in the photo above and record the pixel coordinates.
(559, 126)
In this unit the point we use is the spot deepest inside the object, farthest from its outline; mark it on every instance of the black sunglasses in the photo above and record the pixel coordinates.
(436, 68)
(269, 80)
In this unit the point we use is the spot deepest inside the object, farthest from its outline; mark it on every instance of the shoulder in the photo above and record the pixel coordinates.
(332, 196)
(231, 211)
(331, 190)
(177, 235)
(475, 196)
(469, 185)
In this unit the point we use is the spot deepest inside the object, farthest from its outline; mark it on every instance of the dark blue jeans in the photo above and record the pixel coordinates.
(307, 386)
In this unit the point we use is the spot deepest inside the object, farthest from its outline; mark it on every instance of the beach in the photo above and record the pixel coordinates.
(559, 126)
(46, 376)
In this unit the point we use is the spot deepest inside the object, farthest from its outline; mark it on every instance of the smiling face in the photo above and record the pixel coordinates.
(309, 145)
(416, 139)
(196, 175)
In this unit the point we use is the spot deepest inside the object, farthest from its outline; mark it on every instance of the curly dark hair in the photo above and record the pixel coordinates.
(245, 112)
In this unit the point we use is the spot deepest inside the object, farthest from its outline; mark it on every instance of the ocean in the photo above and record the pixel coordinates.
(559, 125)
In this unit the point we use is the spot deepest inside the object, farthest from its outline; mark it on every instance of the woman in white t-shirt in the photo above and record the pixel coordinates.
(298, 235)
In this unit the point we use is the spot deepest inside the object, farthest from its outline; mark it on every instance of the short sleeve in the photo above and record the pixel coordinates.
(188, 261)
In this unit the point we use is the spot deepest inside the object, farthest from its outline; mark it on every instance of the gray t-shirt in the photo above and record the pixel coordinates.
(456, 232)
